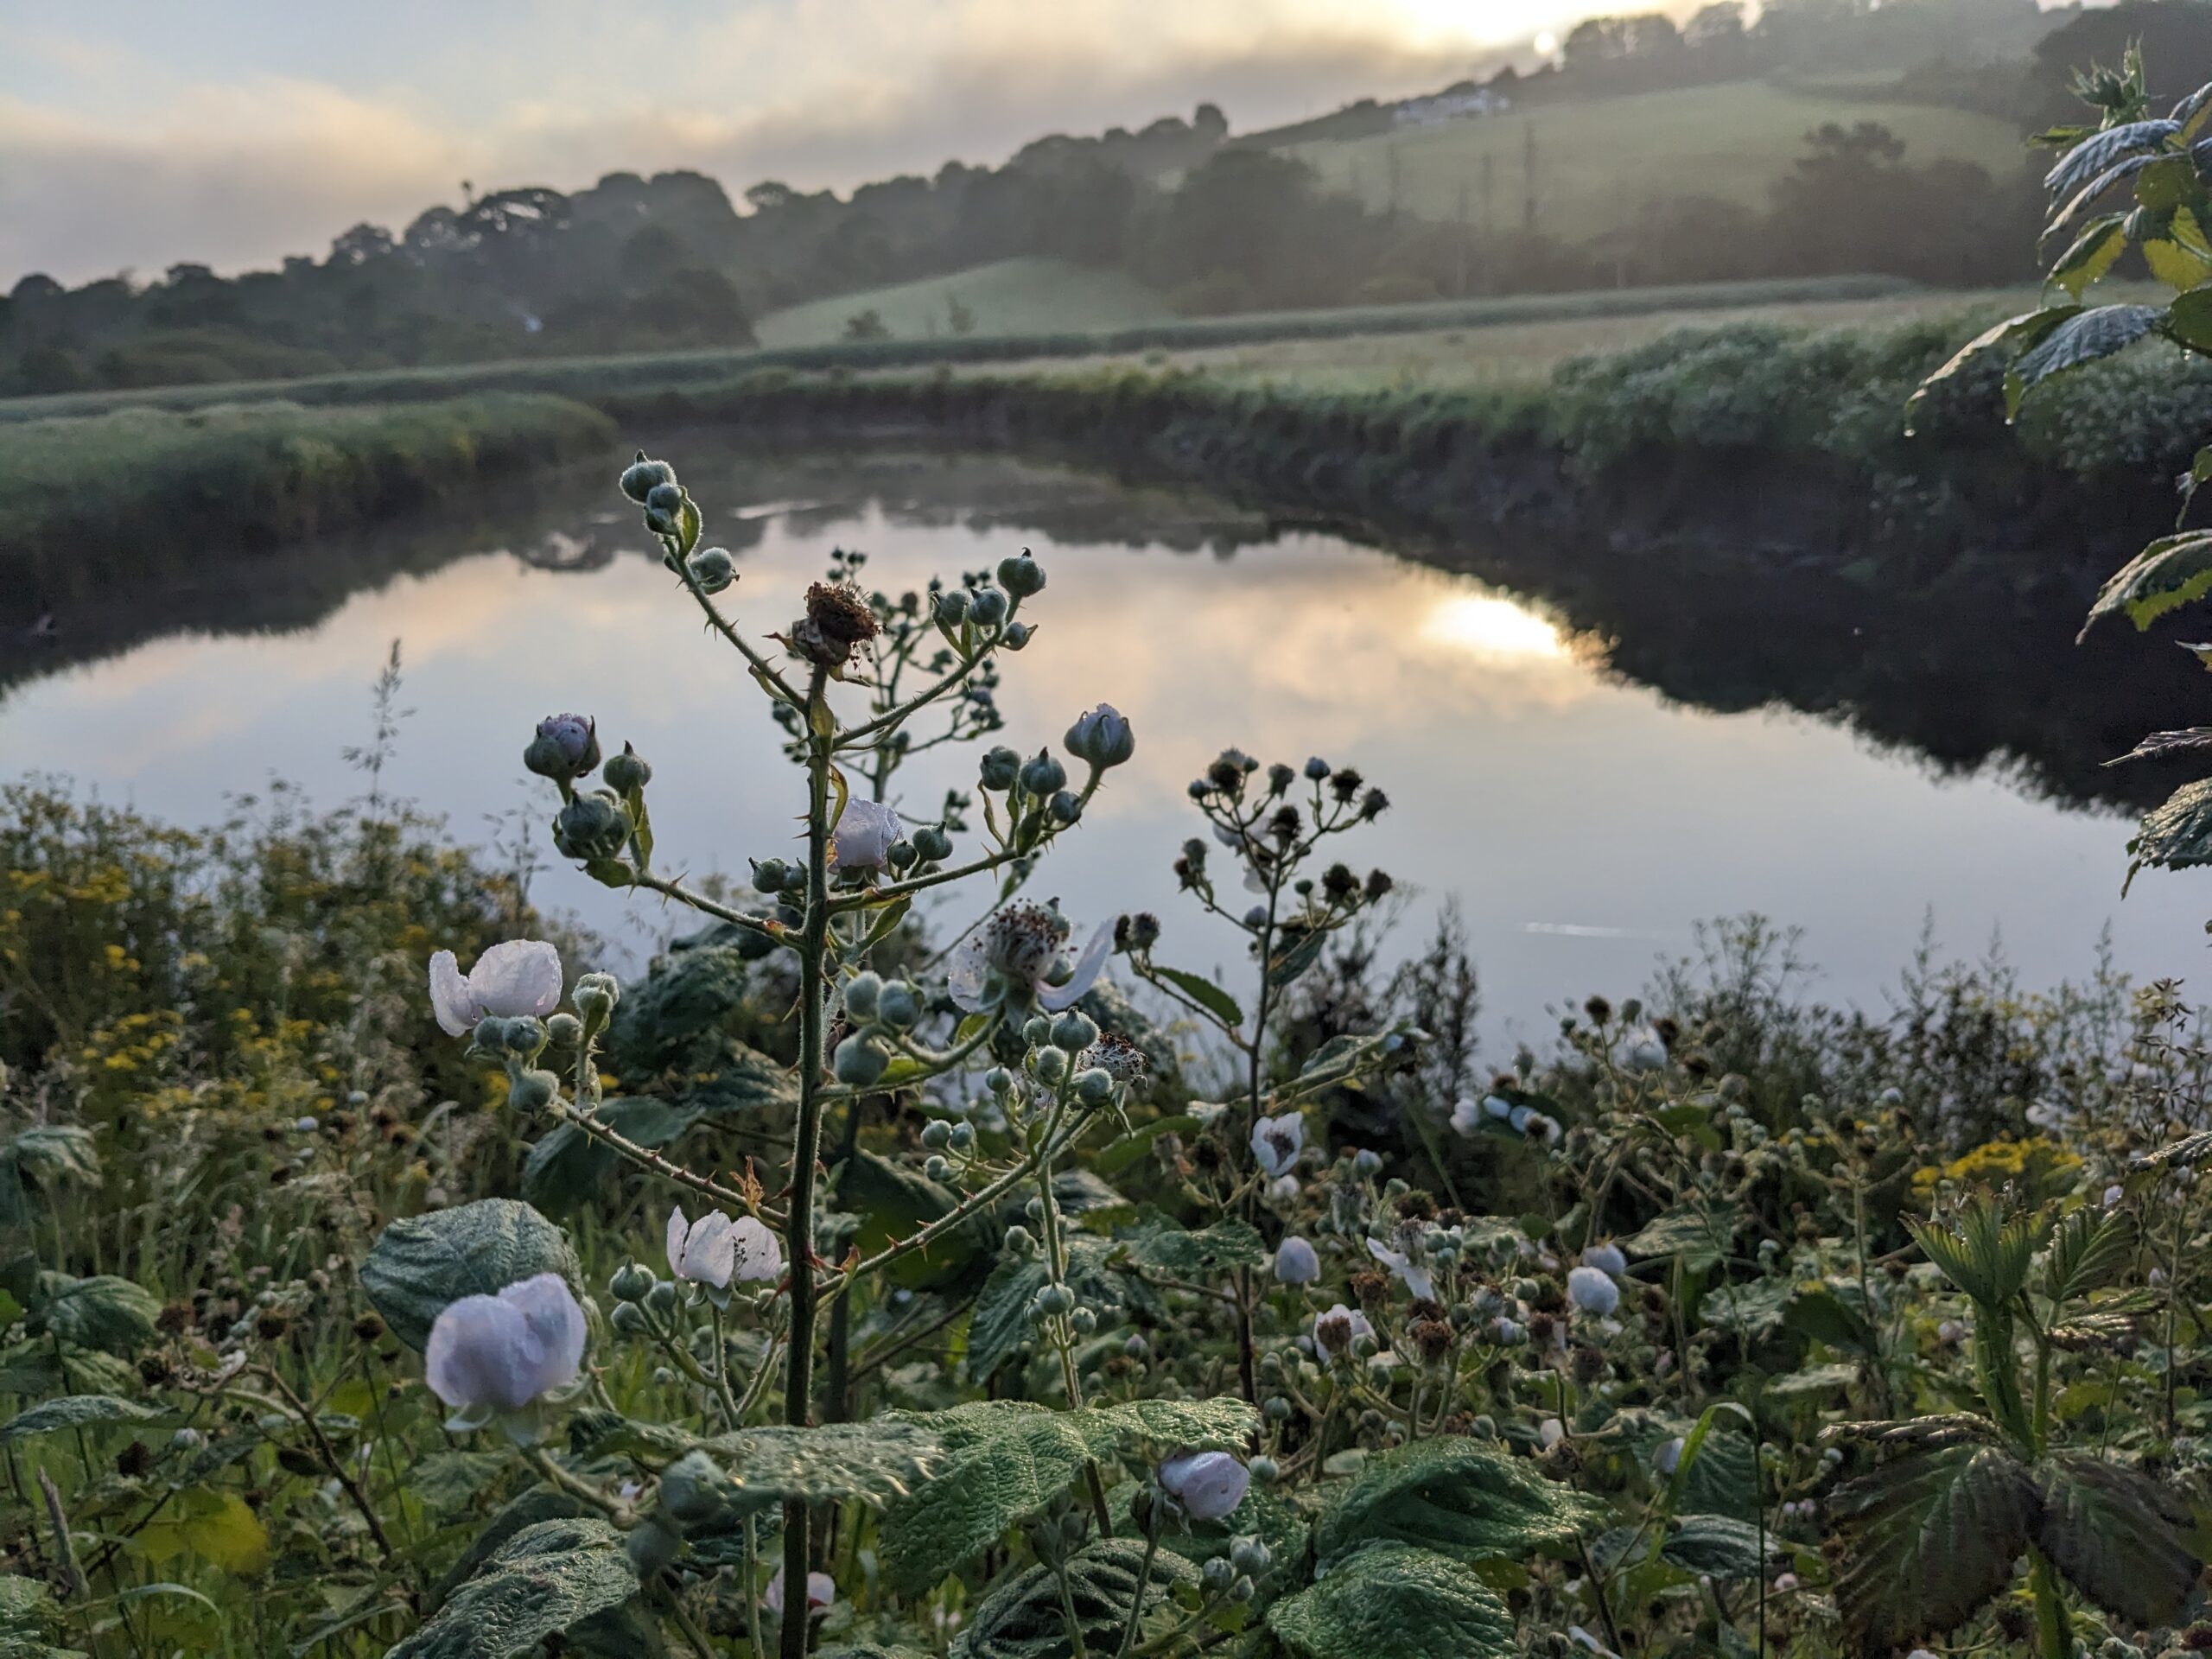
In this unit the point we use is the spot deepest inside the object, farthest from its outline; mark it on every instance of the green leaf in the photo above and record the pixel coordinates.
(1697, 1232)
(547, 1578)
(1718, 1474)
(896, 1201)
(1751, 1311)
(76, 1411)
(1454, 1496)
(1007, 1460)
(2118, 1536)
(2078, 341)
(2166, 182)
(42, 1155)
(1288, 965)
(421, 1263)
(28, 1616)
(1717, 1545)
(1814, 1379)
(1984, 1248)
(1000, 1327)
(1928, 1538)
(1207, 994)
(2096, 251)
(2171, 572)
(1160, 1243)
(2014, 334)
(568, 1168)
(869, 1462)
(2189, 320)
(2097, 152)
(1828, 1312)
(1393, 1601)
(213, 1526)
(1118, 1156)
(2175, 837)
(109, 1314)
(2086, 1251)
(1022, 1617)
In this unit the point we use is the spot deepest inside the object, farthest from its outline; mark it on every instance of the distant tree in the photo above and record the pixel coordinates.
(957, 317)
(1718, 27)
(360, 245)
(867, 325)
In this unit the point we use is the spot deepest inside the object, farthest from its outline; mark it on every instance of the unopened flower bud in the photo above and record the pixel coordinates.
(596, 996)
(937, 1134)
(532, 1090)
(937, 1167)
(1082, 1321)
(987, 607)
(931, 844)
(1000, 768)
(1055, 1298)
(861, 992)
(898, 1007)
(631, 1281)
(642, 476)
(626, 771)
(1094, 1086)
(1249, 1555)
(592, 826)
(1065, 807)
(712, 569)
(772, 875)
(1021, 575)
(629, 1319)
(1020, 1242)
(565, 748)
(1016, 635)
(859, 1061)
(963, 1137)
(1049, 1063)
(953, 606)
(1101, 738)
(1043, 776)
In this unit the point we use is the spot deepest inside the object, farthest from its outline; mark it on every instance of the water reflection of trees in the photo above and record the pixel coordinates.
(1957, 683)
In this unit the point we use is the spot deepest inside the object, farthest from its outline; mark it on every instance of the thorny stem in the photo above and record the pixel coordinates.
(577, 1487)
(336, 1464)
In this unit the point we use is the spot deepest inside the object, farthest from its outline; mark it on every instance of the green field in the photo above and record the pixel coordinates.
(1014, 296)
(1598, 161)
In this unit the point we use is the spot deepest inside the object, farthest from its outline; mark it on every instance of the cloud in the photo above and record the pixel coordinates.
(120, 162)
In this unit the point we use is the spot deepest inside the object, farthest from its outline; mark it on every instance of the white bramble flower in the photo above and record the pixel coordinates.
(496, 1355)
(715, 1249)
(821, 1592)
(511, 979)
(1297, 1262)
(862, 838)
(1668, 1457)
(1277, 1143)
(1408, 1272)
(1282, 1189)
(1591, 1291)
(1469, 1114)
(1551, 1432)
(1013, 958)
(1207, 1485)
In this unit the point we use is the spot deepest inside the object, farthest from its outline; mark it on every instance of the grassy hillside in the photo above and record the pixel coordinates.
(1598, 161)
(1015, 296)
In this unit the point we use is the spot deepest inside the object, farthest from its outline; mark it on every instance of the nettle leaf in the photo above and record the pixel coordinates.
(76, 1411)
(2173, 571)
(2189, 320)
(870, 1463)
(421, 1263)
(1394, 1601)
(1007, 1460)
(2094, 251)
(547, 1578)
(1827, 1312)
(1022, 1619)
(28, 1615)
(2100, 150)
(1160, 1243)
(2118, 1536)
(2175, 837)
(702, 979)
(2014, 334)
(105, 1314)
(567, 1168)
(1455, 1497)
(1928, 1538)
(1717, 1545)
(2076, 342)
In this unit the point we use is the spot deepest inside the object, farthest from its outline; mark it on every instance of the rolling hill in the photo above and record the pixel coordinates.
(1014, 296)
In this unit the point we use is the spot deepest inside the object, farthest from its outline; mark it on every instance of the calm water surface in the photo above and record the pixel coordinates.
(1583, 822)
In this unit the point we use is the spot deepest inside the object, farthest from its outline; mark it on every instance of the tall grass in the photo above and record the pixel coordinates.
(86, 499)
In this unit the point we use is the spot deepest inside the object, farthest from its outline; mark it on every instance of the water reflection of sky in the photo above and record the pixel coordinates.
(1584, 824)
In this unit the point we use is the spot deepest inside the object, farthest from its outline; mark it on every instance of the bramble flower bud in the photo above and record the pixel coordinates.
(931, 844)
(631, 1281)
(1064, 808)
(937, 1167)
(986, 606)
(1095, 1086)
(1250, 1554)
(898, 1007)
(1022, 576)
(963, 1136)
(1020, 1242)
(772, 875)
(1016, 635)
(626, 771)
(937, 1134)
(951, 609)
(642, 476)
(565, 748)
(1317, 769)
(901, 854)
(1055, 1298)
(1049, 1063)
(629, 1319)
(1074, 1030)
(859, 1061)
(591, 827)
(596, 996)
(862, 992)
(1082, 1321)
(1000, 768)
(1101, 738)
(532, 1090)
(664, 500)
(1589, 1289)
(712, 569)
(1297, 1262)
(564, 1030)
(1044, 775)
(663, 1297)
(1367, 1162)
(1207, 1485)
(998, 1080)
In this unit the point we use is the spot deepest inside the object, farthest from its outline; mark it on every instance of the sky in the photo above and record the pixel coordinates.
(137, 133)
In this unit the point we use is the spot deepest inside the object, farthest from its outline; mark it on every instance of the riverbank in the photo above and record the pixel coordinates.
(138, 495)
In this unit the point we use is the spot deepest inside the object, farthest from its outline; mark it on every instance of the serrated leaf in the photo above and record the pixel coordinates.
(2165, 746)
(421, 1263)
(1751, 1311)
(45, 1154)
(1697, 1232)
(76, 1411)
(1718, 1546)
(2189, 320)
(2086, 1251)
(1022, 1617)
(2118, 1536)
(2100, 149)
(1000, 1326)
(896, 1201)
(2015, 334)
(1160, 1243)
(105, 1314)
(1006, 1461)
(1718, 1474)
(547, 1577)
(1928, 1538)
(1290, 964)
(2165, 577)
(2094, 251)
(1394, 1601)
(2079, 341)
(1826, 1313)
(1814, 1379)
(2184, 1154)
(1206, 994)
(1454, 1496)
(2175, 837)
(869, 1462)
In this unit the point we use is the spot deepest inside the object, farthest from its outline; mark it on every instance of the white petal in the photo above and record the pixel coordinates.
(678, 1230)
(516, 977)
(759, 1257)
(710, 1254)
(554, 1329)
(460, 1361)
(963, 974)
(1053, 998)
(451, 999)
(863, 835)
